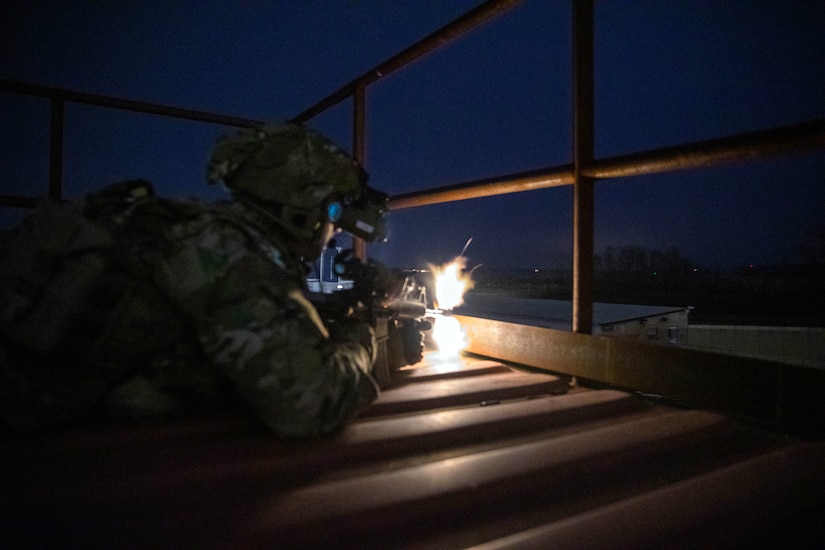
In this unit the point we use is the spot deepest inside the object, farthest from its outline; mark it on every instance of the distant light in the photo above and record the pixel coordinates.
(536, 270)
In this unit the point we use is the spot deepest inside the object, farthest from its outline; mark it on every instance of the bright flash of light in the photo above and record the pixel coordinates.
(449, 336)
(451, 282)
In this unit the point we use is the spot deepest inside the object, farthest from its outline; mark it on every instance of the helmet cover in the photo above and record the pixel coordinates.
(286, 164)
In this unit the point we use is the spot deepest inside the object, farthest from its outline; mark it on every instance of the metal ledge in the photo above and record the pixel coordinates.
(777, 394)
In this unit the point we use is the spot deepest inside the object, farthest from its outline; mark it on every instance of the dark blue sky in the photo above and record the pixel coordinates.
(496, 101)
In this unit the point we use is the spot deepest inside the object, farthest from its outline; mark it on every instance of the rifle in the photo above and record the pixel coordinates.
(394, 304)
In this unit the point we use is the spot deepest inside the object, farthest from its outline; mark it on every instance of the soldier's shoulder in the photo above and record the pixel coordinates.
(185, 212)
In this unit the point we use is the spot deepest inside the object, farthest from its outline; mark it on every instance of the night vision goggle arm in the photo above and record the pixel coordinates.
(362, 217)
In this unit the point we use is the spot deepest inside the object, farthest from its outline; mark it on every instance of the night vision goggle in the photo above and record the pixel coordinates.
(362, 217)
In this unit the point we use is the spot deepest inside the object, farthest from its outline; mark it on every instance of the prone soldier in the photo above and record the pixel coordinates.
(132, 305)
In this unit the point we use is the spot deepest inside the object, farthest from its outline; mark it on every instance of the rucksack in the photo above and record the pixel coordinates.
(52, 264)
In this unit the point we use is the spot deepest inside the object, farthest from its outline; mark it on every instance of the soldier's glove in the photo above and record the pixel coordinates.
(357, 332)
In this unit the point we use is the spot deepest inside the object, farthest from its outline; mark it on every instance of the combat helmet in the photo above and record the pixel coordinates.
(299, 178)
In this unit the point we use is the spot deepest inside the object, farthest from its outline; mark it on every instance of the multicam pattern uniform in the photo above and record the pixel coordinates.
(230, 295)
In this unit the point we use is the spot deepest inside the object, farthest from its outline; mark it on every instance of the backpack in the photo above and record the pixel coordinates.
(52, 264)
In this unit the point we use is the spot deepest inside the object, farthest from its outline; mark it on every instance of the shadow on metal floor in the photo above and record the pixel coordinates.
(469, 453)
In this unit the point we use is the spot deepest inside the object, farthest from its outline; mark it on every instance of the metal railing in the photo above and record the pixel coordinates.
(770, 392)
(584, 170)
(59, 97)
(777, 394)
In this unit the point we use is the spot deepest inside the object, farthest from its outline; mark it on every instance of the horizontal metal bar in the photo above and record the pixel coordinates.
(775, 141)
(779, 394)
(452, 30)
(123, 104)
(512, 183)
(741, 147)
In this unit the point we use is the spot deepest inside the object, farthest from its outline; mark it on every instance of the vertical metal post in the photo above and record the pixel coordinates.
(358, 149)
(583, 192)
(56, 150)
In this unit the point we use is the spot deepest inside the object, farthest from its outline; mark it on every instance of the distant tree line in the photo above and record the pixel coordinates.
(781, 294)
(637, 260)
(790, 294)
(640, 275)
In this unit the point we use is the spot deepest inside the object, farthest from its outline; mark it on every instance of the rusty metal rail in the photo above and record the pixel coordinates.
(467, 22)
(778, 395)
(58, 98)
(72, 96)
(776, 141)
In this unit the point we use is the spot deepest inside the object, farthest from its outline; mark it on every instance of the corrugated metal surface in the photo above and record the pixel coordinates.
(449, 457)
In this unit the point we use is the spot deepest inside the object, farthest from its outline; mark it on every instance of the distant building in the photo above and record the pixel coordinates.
(795, 345)
(653, 324)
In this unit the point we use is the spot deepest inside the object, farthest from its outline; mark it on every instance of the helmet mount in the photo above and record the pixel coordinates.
(300, 179)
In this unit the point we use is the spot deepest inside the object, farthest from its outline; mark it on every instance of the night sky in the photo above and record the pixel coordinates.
(496, 101)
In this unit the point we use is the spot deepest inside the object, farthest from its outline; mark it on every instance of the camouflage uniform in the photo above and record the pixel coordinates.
(187, 299)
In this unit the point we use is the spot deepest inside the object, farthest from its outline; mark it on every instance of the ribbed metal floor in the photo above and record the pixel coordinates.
(451, 456)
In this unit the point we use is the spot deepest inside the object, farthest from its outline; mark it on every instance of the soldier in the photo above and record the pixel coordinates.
(138, 306)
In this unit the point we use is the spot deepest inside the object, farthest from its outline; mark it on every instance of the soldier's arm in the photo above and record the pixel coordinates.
(254, 325)
(258, 328)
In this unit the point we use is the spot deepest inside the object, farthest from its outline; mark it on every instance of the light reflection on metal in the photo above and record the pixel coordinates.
(502, 185)
(449, 336)
(787, 396)
(775, 141)
(451, 282)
